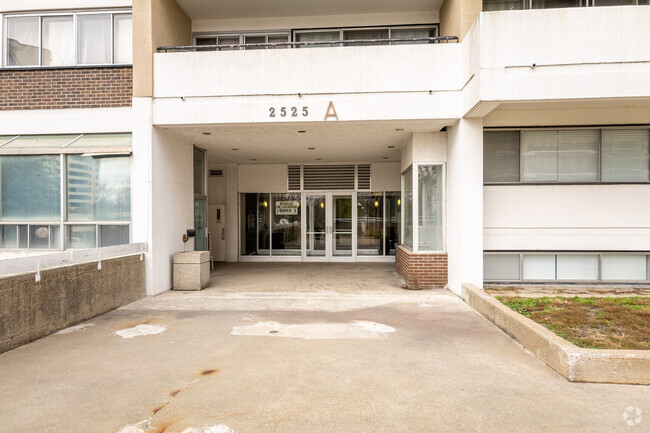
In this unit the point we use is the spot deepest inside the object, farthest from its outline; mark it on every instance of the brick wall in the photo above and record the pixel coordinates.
(40, 89)
(421, 271)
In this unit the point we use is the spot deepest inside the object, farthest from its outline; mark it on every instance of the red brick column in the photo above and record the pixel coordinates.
(421, 270)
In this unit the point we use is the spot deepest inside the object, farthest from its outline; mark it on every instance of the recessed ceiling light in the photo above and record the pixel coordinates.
(301, 132)
(391, 147)
(384, 157)
(234, 148)
(319, 159)
(207, 133)
(253, 159)
(311, 148)
(399, 129)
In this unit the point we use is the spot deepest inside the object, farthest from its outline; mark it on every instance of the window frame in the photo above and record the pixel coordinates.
(599, 180)
(76, 39)
(528, 5)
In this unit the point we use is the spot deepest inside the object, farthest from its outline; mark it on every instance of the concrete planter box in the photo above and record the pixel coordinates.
(191, 270)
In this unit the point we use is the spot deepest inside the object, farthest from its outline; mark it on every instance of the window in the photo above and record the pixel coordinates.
(505, 5)
(69, 39)
(567, 155)
(588, 266)
(244, 38)
(350, 34)
(423, 209)
(95, 191)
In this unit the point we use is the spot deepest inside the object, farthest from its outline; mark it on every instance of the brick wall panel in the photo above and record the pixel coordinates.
(38, 89)
(421, 271)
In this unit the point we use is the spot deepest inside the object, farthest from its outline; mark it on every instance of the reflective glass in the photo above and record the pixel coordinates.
(370, 224)
(13, 236)
(199, 172)
(626, 155)
(430, 217)
(58, 41)
(30, 188)
(342, 225)
(500, 267)
(200, 225)
(94, 39)
(81, 236)
(411, 33)
(44, 236)
(285, 237)
(255, 224)
(123, 39)
(393, 221)
(318, 36)
(316, 225)
(22, 41)
(113, 235)
(407, 187)
(41, 141)
(103, 140)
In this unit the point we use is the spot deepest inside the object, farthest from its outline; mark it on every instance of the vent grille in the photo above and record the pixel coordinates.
(294, 178)
(218, 173)
(321, 177)
(363, 176)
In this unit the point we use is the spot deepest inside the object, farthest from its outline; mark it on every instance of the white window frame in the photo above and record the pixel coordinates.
(76, 41)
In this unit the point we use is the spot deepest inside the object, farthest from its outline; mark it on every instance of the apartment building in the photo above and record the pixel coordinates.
(466, 141)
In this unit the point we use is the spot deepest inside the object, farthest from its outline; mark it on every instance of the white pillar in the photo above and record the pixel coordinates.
(465, 203)
(232, 214)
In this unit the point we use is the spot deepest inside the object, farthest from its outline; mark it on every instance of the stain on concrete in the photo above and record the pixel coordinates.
(140, 330)
(174, 393)
(208, 372)
(315, 331)
(159, 408)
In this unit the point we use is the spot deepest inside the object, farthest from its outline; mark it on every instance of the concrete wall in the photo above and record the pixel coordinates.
(217, 185)
(155, 23)
(566, 217)
(385, 176)
(262, 178)
(457, 16)
(65, 296)
(424, 147)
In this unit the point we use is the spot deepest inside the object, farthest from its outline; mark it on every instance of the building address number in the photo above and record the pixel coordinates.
(291, 111)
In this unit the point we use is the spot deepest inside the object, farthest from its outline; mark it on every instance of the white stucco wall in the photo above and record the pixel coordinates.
(262, 177)
(424, 147)
(385, 176)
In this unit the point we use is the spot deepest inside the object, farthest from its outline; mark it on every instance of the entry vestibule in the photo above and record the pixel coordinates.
(319, 226)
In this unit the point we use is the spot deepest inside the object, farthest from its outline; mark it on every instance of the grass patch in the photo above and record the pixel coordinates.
(601, 323)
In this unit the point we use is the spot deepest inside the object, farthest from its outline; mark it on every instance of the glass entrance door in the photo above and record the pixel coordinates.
(329, 222)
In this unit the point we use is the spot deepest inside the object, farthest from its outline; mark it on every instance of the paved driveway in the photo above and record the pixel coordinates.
(371, 358)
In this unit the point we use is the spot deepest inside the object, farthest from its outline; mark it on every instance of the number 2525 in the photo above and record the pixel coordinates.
(292, 111)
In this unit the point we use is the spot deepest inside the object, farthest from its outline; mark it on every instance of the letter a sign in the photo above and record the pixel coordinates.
(331, 111)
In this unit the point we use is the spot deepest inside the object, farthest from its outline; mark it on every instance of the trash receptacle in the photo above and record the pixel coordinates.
(191, 270)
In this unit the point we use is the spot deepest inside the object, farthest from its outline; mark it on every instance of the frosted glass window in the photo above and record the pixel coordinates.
(501, 267)
(22, 41)
(123, 34)
(430, 207)
(94, 39)
(99, 188)
(44, 236)
(577, 267)
(351, 35)
(626, 155)
(578, 155)
(411, 33)
(539, 149)
(82, 236)
(58, 41)
(13, 236)
(553, 4)
(624, 267)
(503, 5)
(539, 267)
(318, 36)
(501, 156)
(407, 187)
(113, 235)
(30, 188)
(199, 172)
(103, 140)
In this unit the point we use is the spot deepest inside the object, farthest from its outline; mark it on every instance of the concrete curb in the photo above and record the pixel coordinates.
(574, 363)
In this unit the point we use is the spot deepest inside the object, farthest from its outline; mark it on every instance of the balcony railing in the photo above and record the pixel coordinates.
(285, 45)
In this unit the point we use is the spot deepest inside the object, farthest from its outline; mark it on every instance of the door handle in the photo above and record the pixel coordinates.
(223, 234)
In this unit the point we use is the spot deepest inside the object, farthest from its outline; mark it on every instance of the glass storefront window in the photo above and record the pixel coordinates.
(407, 187)
(370, 221)
(285, 238)
(255, 224)
(30, 188)
(393, 221)
(430, 207)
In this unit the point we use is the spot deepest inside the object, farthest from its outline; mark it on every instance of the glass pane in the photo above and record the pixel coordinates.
(552, 4)
(539, 267)
(113, 235)
(501, 156)
(578, 155)
(624, 267)
(316, 212)
(81, 236)
(274, 39)
(285, 240)
(41, 141)
(13, 236)
(411, 33)
(99, 188)
(255, 40)
(351, 35)
(5, 138)
(94, 38)
(123, 39)
(255, 224)
(318, 36)
(22, 41)
(614, 2)
(228, 40)
(199, 172)
(103, 140)
(342, 225)
(200, 225)
(370, 224)
(393, 221)
(626, 155)
(44, 236)
(577, 267)
(503, 5)
(430, 208)
(539, 150)
(30, 188)
(407, 188)
(501, 267)
(58, 41)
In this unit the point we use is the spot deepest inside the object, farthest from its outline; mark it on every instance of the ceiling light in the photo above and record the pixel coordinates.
(311, 148)
(253, 159)
(207, 133)
(391, 147)
(399, 129)
(234, 148)
(319, 159)
(301, 132)
(384, 157)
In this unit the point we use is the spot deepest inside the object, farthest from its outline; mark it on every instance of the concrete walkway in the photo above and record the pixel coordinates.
(333, 357)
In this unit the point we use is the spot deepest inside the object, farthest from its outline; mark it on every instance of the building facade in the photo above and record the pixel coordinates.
(466, 141)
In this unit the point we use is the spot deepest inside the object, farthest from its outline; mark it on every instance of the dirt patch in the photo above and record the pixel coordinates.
(591, 322)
